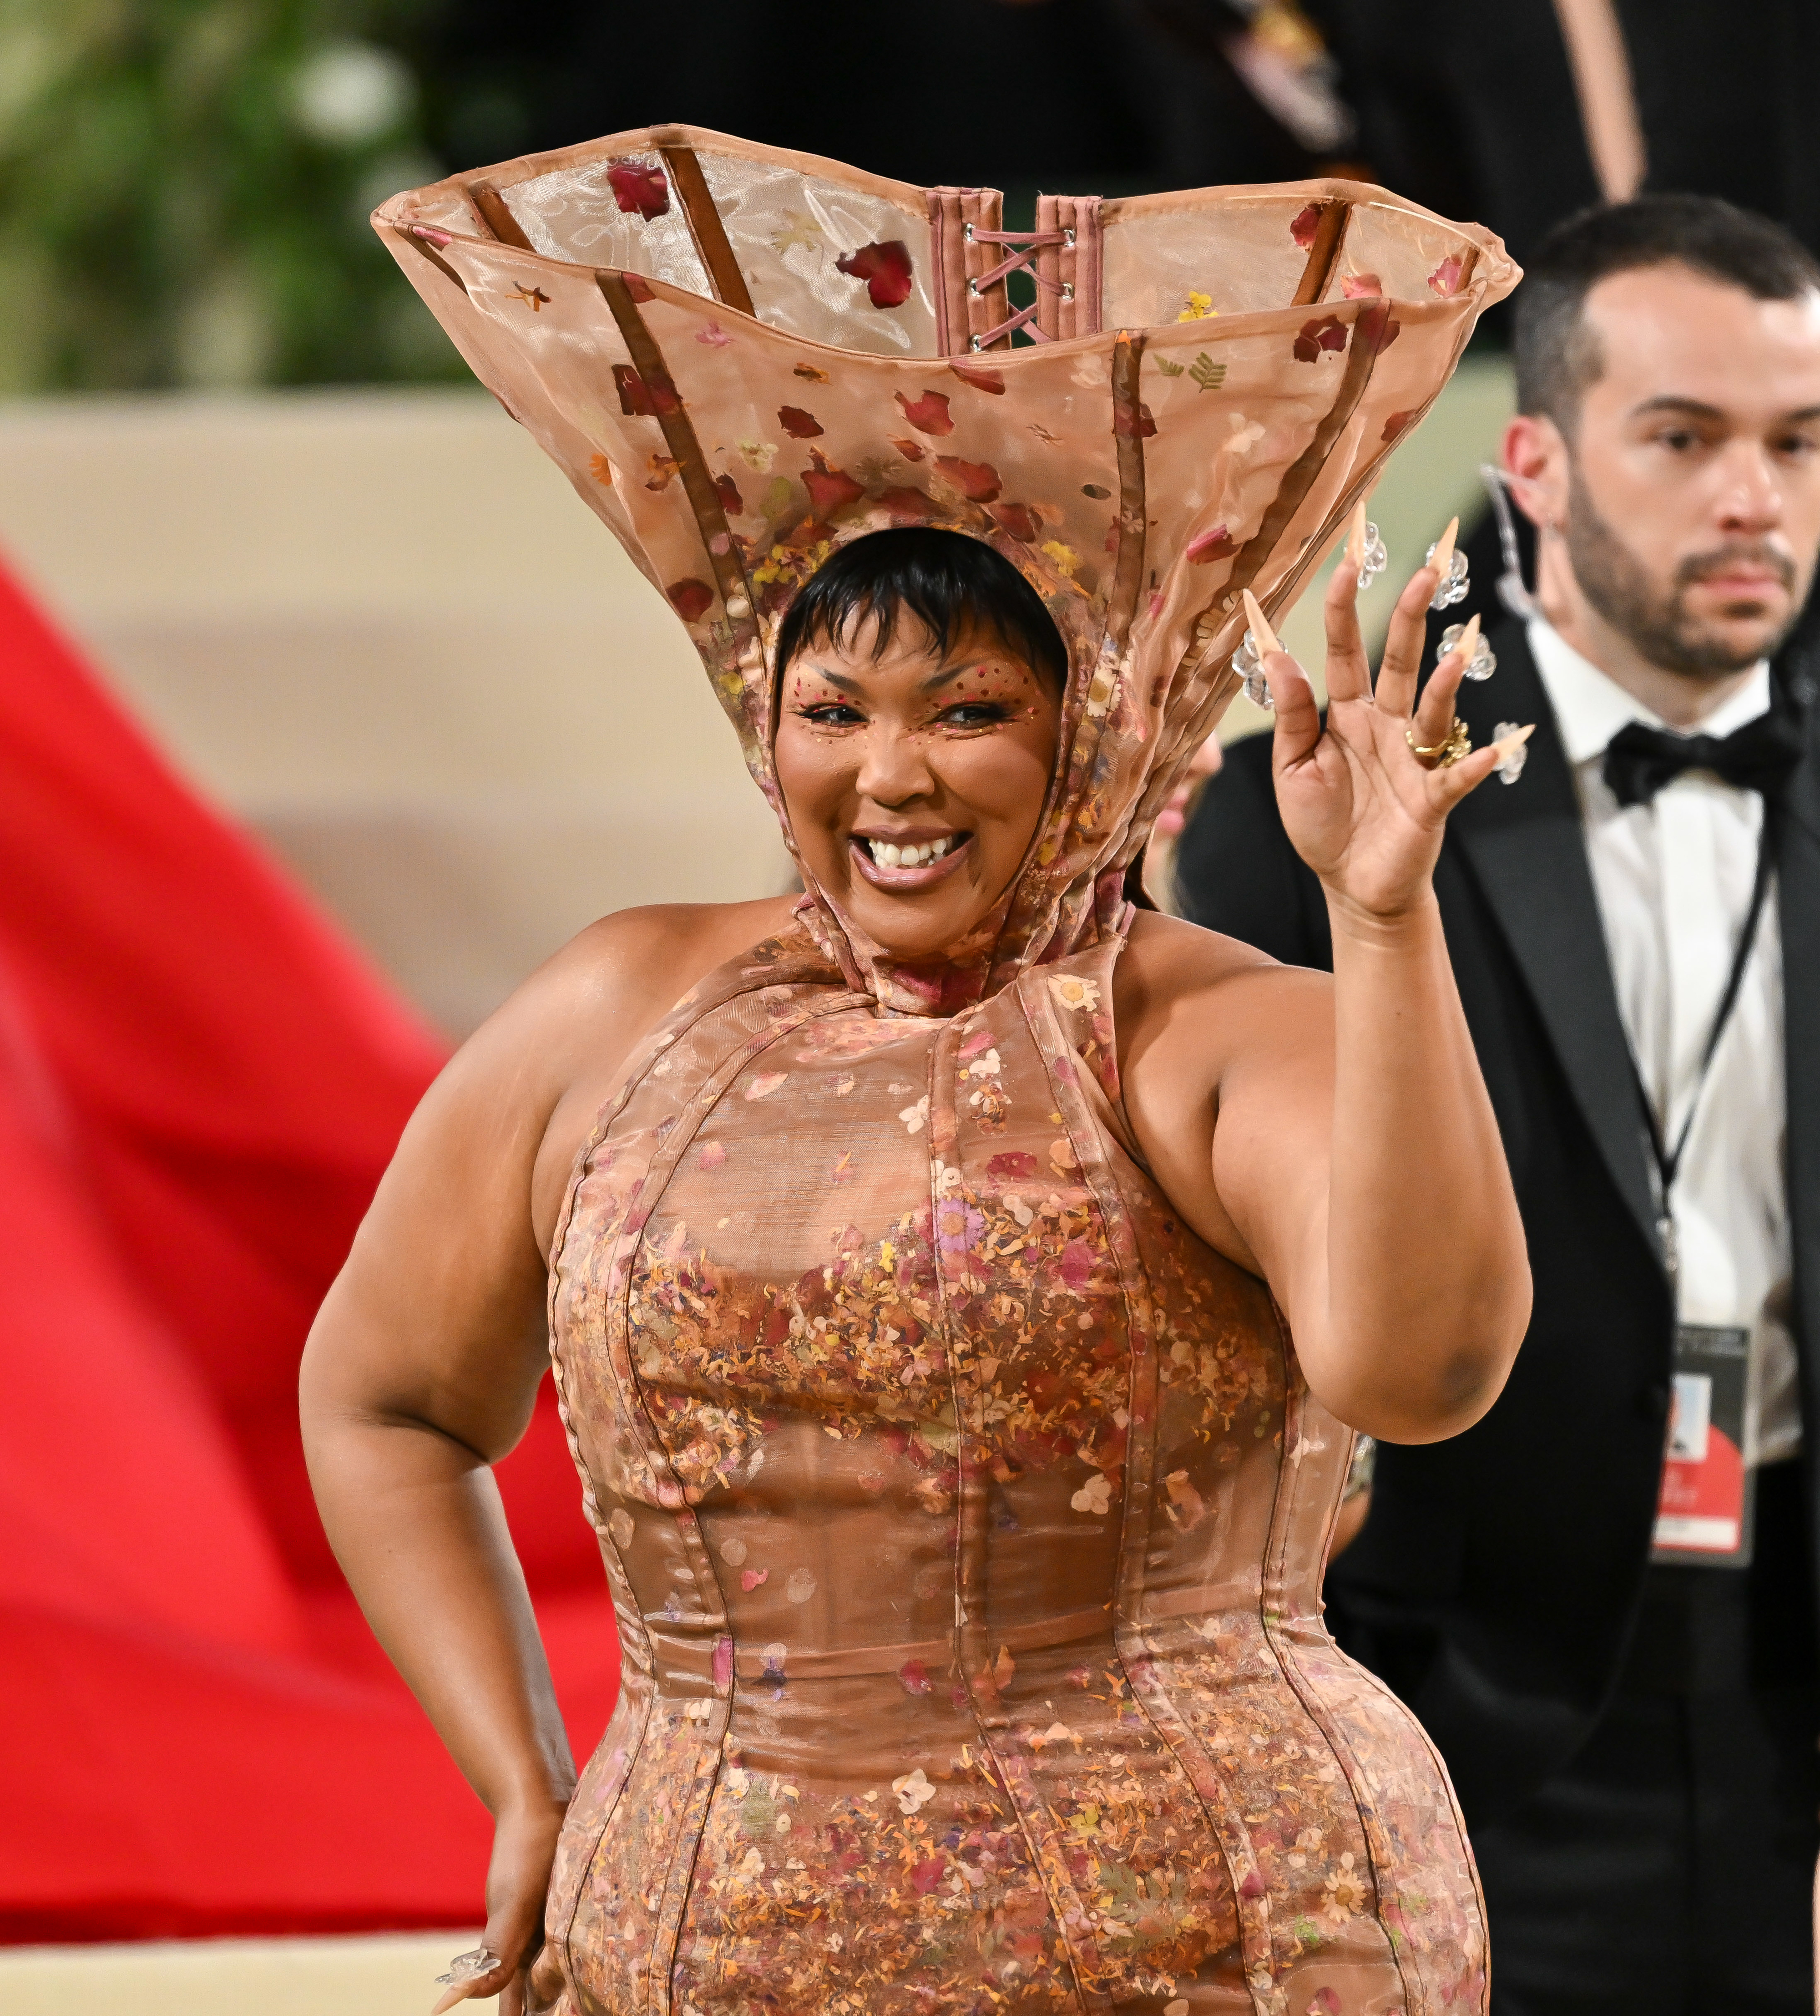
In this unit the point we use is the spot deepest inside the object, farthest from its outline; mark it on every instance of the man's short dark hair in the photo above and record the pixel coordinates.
(1557, 354)
(948, 581)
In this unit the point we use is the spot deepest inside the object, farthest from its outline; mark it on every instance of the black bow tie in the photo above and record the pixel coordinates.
(1639, 761)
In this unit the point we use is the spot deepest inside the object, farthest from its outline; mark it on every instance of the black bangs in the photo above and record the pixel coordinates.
(948, 581)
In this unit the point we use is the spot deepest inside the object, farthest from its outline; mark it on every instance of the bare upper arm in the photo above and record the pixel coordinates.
(438, 1314)
(1226, 1060)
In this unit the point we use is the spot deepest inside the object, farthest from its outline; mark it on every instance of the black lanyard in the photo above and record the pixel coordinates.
(1668, 1159)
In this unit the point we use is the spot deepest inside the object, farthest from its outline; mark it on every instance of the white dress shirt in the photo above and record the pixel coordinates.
(1674, 879)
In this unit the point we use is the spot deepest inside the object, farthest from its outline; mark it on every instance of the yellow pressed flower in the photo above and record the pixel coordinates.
(1200, 308)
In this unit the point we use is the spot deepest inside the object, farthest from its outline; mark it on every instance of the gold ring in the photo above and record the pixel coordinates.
(1456, 744)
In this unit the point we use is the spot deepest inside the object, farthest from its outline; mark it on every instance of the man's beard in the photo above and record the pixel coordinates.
(1615, 581)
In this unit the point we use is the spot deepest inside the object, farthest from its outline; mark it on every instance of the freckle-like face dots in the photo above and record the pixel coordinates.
(914, 781)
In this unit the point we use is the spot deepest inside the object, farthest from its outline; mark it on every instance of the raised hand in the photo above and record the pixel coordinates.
(1364, 801)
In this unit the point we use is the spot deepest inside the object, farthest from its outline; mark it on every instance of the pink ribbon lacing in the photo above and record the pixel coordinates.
(1027, 244)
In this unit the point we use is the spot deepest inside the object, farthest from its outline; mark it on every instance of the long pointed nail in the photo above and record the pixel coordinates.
(1503, 748)
(1259, 627)
(1355, 535)
(1443, 549)
(1469, 641)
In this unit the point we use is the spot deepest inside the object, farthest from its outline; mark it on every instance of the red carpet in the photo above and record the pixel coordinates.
(200, 1083)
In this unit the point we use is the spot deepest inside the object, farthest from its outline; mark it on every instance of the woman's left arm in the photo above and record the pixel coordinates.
(1344, 1146)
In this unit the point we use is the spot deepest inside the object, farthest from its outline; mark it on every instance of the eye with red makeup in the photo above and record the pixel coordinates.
(982, 696)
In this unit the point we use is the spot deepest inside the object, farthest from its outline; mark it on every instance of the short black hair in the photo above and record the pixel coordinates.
(1557, 355)
(947, 580)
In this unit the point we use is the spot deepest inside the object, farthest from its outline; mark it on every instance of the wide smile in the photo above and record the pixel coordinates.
(912, 862)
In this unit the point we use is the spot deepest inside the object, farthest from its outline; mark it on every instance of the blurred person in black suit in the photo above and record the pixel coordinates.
(1615, 1650)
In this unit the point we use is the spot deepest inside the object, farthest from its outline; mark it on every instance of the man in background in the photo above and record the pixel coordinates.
(1601, 1601)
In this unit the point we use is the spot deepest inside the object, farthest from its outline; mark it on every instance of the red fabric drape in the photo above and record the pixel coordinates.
(199, 1084)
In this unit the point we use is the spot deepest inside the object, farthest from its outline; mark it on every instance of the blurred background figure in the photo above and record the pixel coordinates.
(356, 649)
(1616, 1651)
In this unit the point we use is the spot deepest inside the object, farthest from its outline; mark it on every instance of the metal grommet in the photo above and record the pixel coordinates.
(975, 341)
(1068, 236)
(967, 232)
(1067, 290)
(974, 289)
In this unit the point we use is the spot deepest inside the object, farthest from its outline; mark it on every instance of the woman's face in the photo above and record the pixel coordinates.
(914, 782)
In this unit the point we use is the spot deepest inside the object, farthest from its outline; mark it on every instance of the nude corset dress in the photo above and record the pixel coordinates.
(965, 1516)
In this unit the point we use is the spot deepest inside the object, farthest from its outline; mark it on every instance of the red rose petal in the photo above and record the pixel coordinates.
(1014, 1166)
(828, 488)
(911, 451)
(1305, 223)
(636, 397)
(1021, 521)
(691, 599)
(1216, 544)
(928, 414)
(885, 269)
(976, 481)
(908, 507)
(981, 379)
(639, 191)
(1321, 333)
(1356, 287)
(1395, 425)
(1445, 279)
(633, 398)
(799, 425)
(732, 502)
(1376, 326)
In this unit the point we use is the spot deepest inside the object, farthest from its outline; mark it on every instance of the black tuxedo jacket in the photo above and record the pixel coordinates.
(1496, 1581)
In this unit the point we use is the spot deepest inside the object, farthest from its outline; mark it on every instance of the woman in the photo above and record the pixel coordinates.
(921, 1297)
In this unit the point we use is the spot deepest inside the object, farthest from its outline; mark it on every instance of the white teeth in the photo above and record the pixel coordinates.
(916, 855)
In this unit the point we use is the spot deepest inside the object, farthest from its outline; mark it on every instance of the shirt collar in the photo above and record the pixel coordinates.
(1590, 708)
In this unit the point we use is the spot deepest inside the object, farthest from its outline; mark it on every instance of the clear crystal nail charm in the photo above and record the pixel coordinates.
(1483, 661)
(1250, 667)
(1453, 588)
(468, 1967)
(1510, 767)
(1375, 558)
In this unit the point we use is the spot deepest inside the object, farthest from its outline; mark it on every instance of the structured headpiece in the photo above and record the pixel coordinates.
(742, 358)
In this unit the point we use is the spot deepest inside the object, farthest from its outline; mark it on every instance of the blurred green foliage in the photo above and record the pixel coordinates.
(184, 193)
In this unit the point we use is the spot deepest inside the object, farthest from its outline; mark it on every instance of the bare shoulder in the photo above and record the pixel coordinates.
(621, 975)
(1170, 968)
(576, 1023)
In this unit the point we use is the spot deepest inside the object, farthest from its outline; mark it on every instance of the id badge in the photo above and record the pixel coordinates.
(1706, 1510)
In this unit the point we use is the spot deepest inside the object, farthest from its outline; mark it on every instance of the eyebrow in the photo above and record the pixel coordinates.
(935, 679)
(1670, 402)
(951, 671)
